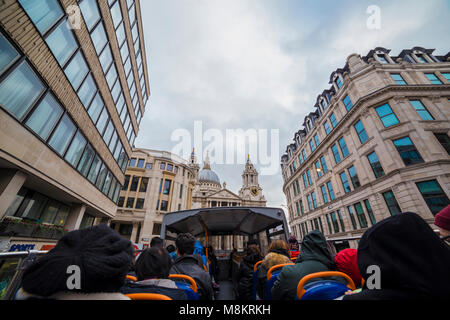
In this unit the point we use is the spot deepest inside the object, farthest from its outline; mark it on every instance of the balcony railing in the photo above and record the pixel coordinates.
(13, 227)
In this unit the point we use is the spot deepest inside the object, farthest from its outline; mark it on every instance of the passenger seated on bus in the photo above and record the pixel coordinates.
(314, 257)
(86, 264)
(156, 242)
(345, 261)
(442, 221)
(245, 273)
(278, 254)
(189, 264)
(293, 246)
(213, 270)
(152, 270)
(172, 251)
(199, 250)
(413, 261)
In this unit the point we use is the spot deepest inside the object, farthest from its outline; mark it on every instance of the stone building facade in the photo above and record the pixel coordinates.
(73, 89)
(377, 144)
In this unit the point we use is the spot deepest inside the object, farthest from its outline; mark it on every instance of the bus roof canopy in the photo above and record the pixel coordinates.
(224, 221)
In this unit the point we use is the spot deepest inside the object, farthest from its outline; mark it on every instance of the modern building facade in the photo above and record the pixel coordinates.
(73, 89)
(377, 144)
(156, 183)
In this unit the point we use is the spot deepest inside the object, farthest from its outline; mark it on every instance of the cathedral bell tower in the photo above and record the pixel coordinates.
(194, 165)
(251, 191)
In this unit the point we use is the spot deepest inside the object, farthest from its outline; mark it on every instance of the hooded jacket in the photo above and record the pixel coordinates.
(189, 265)
(414, 262)
(245, 276)
(166, 287)
(314, 257)
(346, 262)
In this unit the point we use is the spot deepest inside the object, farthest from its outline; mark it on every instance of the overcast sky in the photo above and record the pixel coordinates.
(260, 64)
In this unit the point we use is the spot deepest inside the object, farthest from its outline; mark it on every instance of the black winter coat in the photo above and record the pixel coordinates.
(245, 276)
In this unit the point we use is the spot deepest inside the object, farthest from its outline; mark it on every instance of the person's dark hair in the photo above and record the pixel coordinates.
(156, 242)
(252, 242)
(171, 248)
(153, 262)
(185, 243)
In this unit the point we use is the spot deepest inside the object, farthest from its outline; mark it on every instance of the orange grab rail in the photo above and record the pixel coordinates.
(278, 266)
(255, 267)
(294, 259)
(132, 278)
(301, 291)
(185, 277)
(147, 296)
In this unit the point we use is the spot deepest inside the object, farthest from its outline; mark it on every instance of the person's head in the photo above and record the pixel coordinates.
(171, 248)
(346, 262)
(409, 255)
(156, 242)
(185, 243)
(279, 246)
(314, 247)
(101, 255)
(153, 263)
(442, 221)
(293, 243)
(252, 243)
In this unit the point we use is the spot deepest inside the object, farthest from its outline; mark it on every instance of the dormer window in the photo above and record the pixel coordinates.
(309, 125)
(338, 82)
(420, 57)
(323, 104)
(382, 58)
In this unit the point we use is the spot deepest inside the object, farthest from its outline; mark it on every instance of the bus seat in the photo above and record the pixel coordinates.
(323, 289)
(190, 288)
(272, 276)
(255, 278)
(132, 278)
(147, 296)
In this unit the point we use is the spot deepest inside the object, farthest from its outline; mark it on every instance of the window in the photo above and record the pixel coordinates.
(354, 177)
(20, 90)
(338, 82)
(75, 150)
(144, 184)
(156, 229)
(352, 217)
(318, 169)
(95, 167)
(433, 195)
(328, 223)
(343, 147)
(337, 156)
(130, 202)
(134, 184)
(348, 103)
(370, 212)
(90, 13)
(162, 166)
(327, 127)
(106, 58)
(76, 70)
(141, 163)
(116, 14)
(8, 55)
(382, 58)
(44, 14)
(308, 198)
(305, 182)
(433, 79)
(140, 203)
(386, 115)
(330, 190)
(167, 184)
(324, 164)
(132, 162)
(121, 202)
(313, 197)
(45, 117)
(398, 79)
(87, 221)
(376, 165)
(87, 91)
(164, 205)
(126, 182)
(344, 181)
(311, 144)
(98, 37)
(304, 154)
(101, 177)
(170, 167)
(107, 182)
(95, 108)
(333, 120)
(407, 151)
(62, 43)
(148, 166)
(341, 220)
(324, 194)
(444, 140)
(324, 104)
(86, 159)
(391, 203)
(316, 139)
(361, 216)
(446, 75)
(362, 134)
(308, 173)
(62, 135)
(335, 222)
(421, 110)
(420, 58)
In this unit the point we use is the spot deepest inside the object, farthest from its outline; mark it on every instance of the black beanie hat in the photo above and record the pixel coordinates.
(102, 255)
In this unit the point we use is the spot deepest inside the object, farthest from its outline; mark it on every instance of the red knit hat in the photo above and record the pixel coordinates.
(345, 261)
(442, 219)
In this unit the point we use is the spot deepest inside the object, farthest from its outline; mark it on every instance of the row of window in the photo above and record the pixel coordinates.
(94, 23)
(29, 99)
(63, 45)
(131, 203)
(430, 76)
